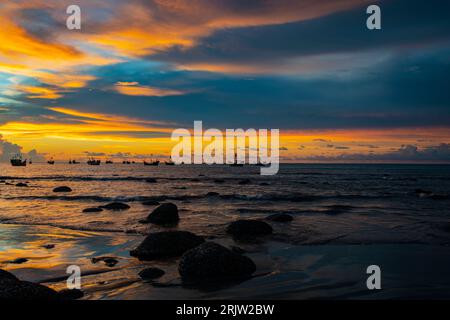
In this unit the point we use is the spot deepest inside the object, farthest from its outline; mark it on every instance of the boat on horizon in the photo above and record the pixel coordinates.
(51, 161)
(17, 161)
(93, 162)
(151, 163)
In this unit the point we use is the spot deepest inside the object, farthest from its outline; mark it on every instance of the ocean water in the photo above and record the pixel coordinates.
(331, 204)
(346, 217)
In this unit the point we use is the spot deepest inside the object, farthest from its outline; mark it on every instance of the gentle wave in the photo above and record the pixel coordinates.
(233, 196)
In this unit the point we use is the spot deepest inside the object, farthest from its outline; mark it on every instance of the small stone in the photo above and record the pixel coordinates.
(150, 203)
(280, 217)
(151, 273)
(109, 261)
(21, 184)
(62, 189)
(249, 228)
(116, 206)
(18, 261)
(165, 214)
(92, 210)
(71, 294)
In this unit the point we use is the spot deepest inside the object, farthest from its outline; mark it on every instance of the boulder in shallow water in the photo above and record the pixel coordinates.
(62, 189)
(21, 184)
(92, 210)
(18, 261)
(115, 206)
(165, 214)
(14, 289)
(5, 275)
(166, 244)
(151, 273)
(213, 261)
(249, 228)
(70, 294)
(151, 180)
(280, 217)
(108, 261)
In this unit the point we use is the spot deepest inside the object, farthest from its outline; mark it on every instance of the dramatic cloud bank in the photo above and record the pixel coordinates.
(8, 149)
(407, 153)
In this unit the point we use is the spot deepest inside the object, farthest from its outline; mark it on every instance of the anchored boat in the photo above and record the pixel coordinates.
(17, 161)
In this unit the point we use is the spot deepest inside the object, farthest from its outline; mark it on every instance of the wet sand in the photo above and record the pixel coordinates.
(284, 271)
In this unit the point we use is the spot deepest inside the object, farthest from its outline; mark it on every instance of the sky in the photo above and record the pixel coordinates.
(139, 69)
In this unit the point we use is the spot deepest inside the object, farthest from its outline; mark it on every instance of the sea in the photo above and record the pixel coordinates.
(346, 218)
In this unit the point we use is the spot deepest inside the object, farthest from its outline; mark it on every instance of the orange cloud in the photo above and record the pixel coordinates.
(133, 89)
(39, 92)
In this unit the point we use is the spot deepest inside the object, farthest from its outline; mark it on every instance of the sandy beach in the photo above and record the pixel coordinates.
(284, 271)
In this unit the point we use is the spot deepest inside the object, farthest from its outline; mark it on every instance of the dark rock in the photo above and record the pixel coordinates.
(212, 194)
(195, 180)
(245, 181)
(14, 289)
(62, 189)
(213, 261)
(446, 227)
(151, 273)
(70, 294)
(109, 261)
(165, 214)
(2, 181)
(237, 250)
(116, 206)
(150, 203)
(91, 210)
(48, 246)
(219, 181)
(151, 180)
(5, 275)
(249, 228)
(337, 209)
(18, 261)
(166, 244)
(280, 217)
(21, 184)
(423, 192)
(264, 184)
